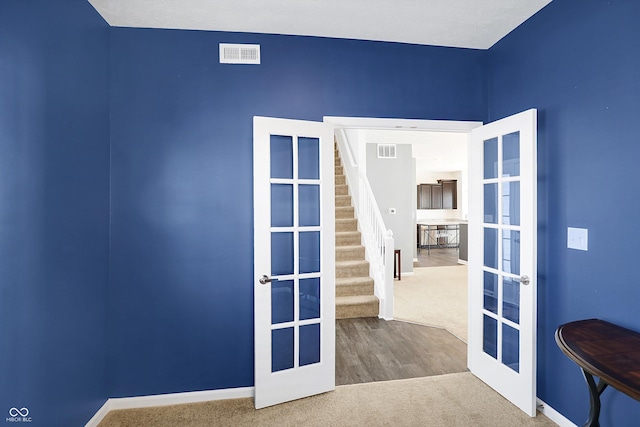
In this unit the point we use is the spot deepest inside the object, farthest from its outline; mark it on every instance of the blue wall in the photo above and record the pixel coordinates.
(182, 215)
(54, 209)
(578, 64)
(173, 298)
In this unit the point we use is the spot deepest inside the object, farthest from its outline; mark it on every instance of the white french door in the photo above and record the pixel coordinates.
(294, 259)
(502, 257)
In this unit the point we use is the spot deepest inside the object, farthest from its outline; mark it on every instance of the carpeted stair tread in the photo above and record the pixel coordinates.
(349, 253)
(352, 262)
(342, 190)
(357, 306)
(356, 299)
(348, 238)
(343, 200)
(351, 286)
(345, 212)
(355, 268)
(346, 224)
(344, 281)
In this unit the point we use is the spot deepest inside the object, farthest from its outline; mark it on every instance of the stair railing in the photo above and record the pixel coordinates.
(377, 240)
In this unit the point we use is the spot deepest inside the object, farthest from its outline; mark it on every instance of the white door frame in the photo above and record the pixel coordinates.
(413, 125)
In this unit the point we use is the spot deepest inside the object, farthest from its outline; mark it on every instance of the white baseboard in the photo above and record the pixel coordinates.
(554, 415)
(237, 393)
(168, 399)
(99, 416)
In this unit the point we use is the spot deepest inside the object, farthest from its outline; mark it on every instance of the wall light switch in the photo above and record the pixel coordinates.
(578, 238)
(392, 211)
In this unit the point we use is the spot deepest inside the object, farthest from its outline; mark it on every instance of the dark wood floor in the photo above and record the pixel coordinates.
(371, 349)
(438, 257)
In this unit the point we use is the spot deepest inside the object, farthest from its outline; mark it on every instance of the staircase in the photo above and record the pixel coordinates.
(354, 287)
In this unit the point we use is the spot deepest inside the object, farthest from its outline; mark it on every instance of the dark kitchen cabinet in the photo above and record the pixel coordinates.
(443, 195)
(436, 196)
(449, 194)
(424, 196)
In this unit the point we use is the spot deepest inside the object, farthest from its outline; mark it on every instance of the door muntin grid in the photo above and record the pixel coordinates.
(501, 263)
(295, 252)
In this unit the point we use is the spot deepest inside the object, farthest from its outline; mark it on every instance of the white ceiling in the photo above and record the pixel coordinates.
(434, 151)
(475, 24)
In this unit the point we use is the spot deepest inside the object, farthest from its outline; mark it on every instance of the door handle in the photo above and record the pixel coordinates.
(266, 279)
(524, 280)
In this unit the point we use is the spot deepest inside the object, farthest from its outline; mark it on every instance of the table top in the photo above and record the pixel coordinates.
(605, 350)
(432, 222)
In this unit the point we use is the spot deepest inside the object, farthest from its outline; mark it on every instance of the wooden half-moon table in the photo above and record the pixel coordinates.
(607, 351)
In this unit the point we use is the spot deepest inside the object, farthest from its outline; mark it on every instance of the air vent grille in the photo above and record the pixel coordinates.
(239, 53)
(386, 151)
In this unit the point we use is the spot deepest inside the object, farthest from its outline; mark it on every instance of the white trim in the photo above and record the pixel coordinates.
(168, 399)
(99, 416)
(401, 124)
(239, 393)
(554, 415)
(180, 398)
(340, 133)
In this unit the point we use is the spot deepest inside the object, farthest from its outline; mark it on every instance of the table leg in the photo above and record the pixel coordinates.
(595, 390)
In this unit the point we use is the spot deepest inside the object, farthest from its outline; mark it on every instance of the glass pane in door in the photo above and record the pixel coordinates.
(308, 158)
(281, 205)
(281, 156)
(511, 251)
(309, 344)
(491, 203)
(491, 292)
(281, 254)
(511, 203)
(511, 154)
(491, 247)
(282, 342)
(511, 299)
(282, 301)
(491, 158)
(310, 298)
(309, 205)
(510, 347)
(310, 252)
(490, 336)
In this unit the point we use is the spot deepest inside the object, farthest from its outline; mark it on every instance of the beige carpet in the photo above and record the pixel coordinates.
(442, 401)
(434, 296)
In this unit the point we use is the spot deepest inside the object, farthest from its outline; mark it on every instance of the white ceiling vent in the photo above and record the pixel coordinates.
(239, 53)
(386, 151)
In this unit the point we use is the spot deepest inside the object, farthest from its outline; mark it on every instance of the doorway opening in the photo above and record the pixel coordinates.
(428, 140)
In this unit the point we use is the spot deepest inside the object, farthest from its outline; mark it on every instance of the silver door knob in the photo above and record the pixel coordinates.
(266, 279)
(524, 280)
